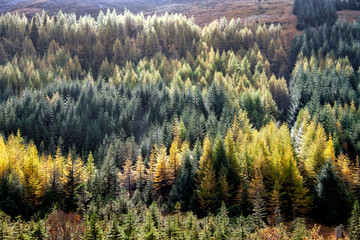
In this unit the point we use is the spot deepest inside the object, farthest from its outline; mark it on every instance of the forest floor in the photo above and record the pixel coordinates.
(203, 11)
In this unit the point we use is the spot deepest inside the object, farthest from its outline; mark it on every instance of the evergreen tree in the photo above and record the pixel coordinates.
(161, 177)
(259, 212)
(354, 222)
(114, 233)
(207, 189)
(127, 179)
(93, 231)
(108, 173)
(72, 178)
(183, 189)
(331, 196)
(34, 33)
(140, 174)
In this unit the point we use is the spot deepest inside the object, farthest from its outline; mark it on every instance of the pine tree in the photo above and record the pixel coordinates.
(299, 229)
(71, 179)
(130, 226)
(82, 197)
(140, 176)
(331, 196)
(174, 156)
(274, 206)
(205, 158)
(354, 222)
(183, 189)
(152, 163)
(93, 230)
(118, 53)
(220, 160)
(90, 169)
(259, 212)
(114, 233)
(223, 224)
(3, 54)
(224, 190)
(37, 232)
(152, 45)
(127, 179)
(34, 33)
(233, 173)
(108, 173)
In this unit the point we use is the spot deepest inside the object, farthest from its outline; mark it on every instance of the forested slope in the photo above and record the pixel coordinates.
(124, 126)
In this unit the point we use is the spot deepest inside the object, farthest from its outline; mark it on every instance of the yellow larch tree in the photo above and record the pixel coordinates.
(174, 156)
(205, 159)
(127, 177)
(162, 175)
(207, 188)
(4, 160)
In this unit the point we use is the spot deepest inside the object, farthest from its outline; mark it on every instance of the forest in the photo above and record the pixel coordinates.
(128, 126)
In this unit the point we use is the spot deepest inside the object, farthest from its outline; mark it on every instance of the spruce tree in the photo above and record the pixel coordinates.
(93, 231)
(354, 222)
(331, 196)
(108, 173)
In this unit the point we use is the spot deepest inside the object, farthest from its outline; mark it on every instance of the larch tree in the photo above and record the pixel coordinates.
(175, 154)
(205, 159)
(140, 176)
(118, 53)
(207, 189)
(162, 174)
(127, 178)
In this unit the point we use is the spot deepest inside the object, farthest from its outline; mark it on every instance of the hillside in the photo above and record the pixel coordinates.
(180, 119)
(203, 11)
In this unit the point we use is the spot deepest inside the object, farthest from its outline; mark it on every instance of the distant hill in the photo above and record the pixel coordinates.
(203, 11)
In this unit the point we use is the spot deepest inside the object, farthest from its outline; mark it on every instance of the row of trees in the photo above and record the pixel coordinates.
(151, 224)
(157, 109)
(269, 171)
(339, 41)
(314, 13)
(317, 82)
(349, 4)
(204, 96)
(120, 38)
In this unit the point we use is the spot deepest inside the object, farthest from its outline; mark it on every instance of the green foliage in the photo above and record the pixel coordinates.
(354, 222)
(259, 212)
(93, 231)
(108, 173)
(37, 231)
(331, 196)
(117, 85)
(299, 230)
(183, 189)
(314, 13)
(114, 233)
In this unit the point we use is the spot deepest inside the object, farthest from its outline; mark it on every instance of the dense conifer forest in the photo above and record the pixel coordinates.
(128, 126)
